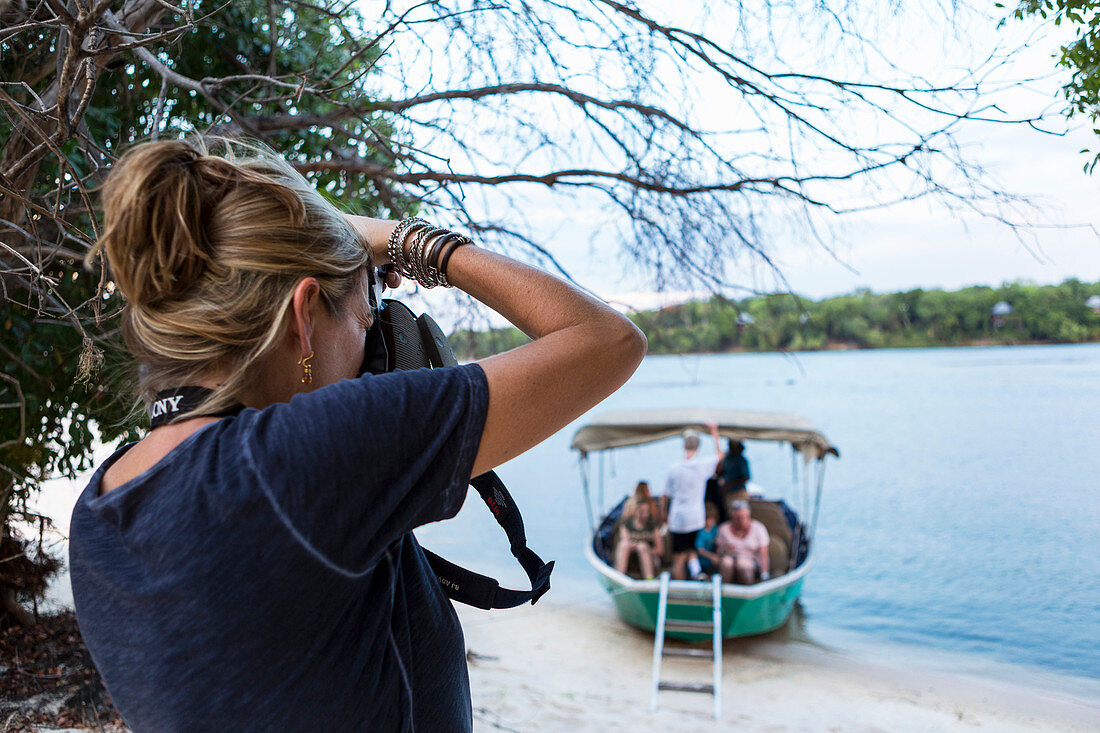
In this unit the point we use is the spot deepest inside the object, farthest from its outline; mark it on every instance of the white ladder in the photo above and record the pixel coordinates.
(683, 598)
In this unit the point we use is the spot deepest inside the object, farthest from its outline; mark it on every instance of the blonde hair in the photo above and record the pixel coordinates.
(207, 250)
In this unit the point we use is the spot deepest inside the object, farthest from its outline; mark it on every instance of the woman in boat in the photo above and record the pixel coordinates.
(641, 496)
(743, 546)
(258, 571)
(733, 472)
(639, 534)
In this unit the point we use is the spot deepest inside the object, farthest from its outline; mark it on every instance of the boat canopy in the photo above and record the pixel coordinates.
(637, 427)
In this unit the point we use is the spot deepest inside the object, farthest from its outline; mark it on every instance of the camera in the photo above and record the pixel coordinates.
(399, 340)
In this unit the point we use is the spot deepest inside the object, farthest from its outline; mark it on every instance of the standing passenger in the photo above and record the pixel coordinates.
(733, 478)
(734, 469)
(685, 488)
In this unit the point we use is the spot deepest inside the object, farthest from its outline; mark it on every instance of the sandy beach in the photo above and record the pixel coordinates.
(560, 668)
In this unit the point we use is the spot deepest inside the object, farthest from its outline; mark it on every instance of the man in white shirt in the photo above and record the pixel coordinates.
(684, 492)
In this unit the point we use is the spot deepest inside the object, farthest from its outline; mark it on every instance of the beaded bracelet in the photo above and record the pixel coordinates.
(425, 260)
(433, 257)
(395, 247)
(462, 240)
(416, 255)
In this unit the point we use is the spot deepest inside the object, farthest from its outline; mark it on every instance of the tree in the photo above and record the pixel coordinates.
(1081, 56)
(692, 136)
(56, 319)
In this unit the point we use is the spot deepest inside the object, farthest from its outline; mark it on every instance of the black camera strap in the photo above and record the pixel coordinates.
(460, 584)
(480, 591)
(400, 340)
(171, 403)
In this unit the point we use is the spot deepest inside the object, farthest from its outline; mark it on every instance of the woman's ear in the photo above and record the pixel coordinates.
(303, 313)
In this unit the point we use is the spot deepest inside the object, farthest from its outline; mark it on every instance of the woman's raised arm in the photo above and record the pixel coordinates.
(583, 350)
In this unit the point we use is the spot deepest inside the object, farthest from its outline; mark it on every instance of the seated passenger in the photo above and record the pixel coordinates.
(743, 547)
(706, 543)
(638, 533)
(641, 495)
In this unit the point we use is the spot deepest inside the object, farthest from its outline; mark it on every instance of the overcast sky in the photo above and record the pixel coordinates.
(919, 244)
(924, 245)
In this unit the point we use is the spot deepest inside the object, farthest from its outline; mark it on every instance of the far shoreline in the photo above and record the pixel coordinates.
(848, 347)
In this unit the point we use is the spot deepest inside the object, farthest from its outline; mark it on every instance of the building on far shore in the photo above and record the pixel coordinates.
(1000, 312)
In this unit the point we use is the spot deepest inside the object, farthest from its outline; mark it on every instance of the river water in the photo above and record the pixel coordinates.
(961, 520)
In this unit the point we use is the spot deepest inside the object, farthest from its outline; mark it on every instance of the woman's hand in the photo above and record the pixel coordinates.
(376, 233)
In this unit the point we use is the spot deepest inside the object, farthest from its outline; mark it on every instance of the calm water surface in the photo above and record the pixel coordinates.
(962, 516)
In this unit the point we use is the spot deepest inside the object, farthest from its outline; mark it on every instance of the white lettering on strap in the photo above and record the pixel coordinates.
(168, 404)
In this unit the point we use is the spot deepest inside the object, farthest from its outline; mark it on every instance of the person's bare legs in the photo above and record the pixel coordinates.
(645, 559)
(679, 565)
(622, 555)
(745, 570)
(726, 567)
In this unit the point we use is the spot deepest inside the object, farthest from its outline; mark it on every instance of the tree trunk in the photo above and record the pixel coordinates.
(11, 606)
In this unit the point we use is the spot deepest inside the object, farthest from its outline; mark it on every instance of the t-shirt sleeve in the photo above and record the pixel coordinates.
(763, 539)
(355, 465)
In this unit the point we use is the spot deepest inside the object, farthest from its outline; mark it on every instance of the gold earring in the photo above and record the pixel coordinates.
(307, 368)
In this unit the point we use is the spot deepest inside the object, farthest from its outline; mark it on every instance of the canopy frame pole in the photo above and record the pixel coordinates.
(794, 466)
(817, 501)
(583, 463)
(806, 480)
(600, 487)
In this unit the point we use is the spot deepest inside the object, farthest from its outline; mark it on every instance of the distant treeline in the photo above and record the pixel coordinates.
(863, 320)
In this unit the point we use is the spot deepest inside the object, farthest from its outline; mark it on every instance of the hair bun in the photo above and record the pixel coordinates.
(154, 204)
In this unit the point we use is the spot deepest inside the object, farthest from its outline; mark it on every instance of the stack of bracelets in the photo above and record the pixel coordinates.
(428, 252)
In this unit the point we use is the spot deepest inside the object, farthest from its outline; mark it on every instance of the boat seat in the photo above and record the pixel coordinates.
(774, 520)
(779, 556)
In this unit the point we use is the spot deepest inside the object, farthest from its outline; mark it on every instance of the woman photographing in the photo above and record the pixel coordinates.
(254, 569)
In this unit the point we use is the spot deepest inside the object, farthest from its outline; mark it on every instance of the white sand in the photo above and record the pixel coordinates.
(548, 668)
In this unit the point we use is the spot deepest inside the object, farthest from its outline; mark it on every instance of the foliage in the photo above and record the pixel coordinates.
(63, 375)
(1081, 55)
(862, 320)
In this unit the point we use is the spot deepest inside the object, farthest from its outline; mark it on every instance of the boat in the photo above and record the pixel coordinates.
(791, 521)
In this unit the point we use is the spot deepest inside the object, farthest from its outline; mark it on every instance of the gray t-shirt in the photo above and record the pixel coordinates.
(263, 575)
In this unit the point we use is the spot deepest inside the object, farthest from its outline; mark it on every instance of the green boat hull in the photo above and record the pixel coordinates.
(740, 616)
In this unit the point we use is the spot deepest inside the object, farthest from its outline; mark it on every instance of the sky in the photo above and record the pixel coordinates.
(921, 245)
(918, 244)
